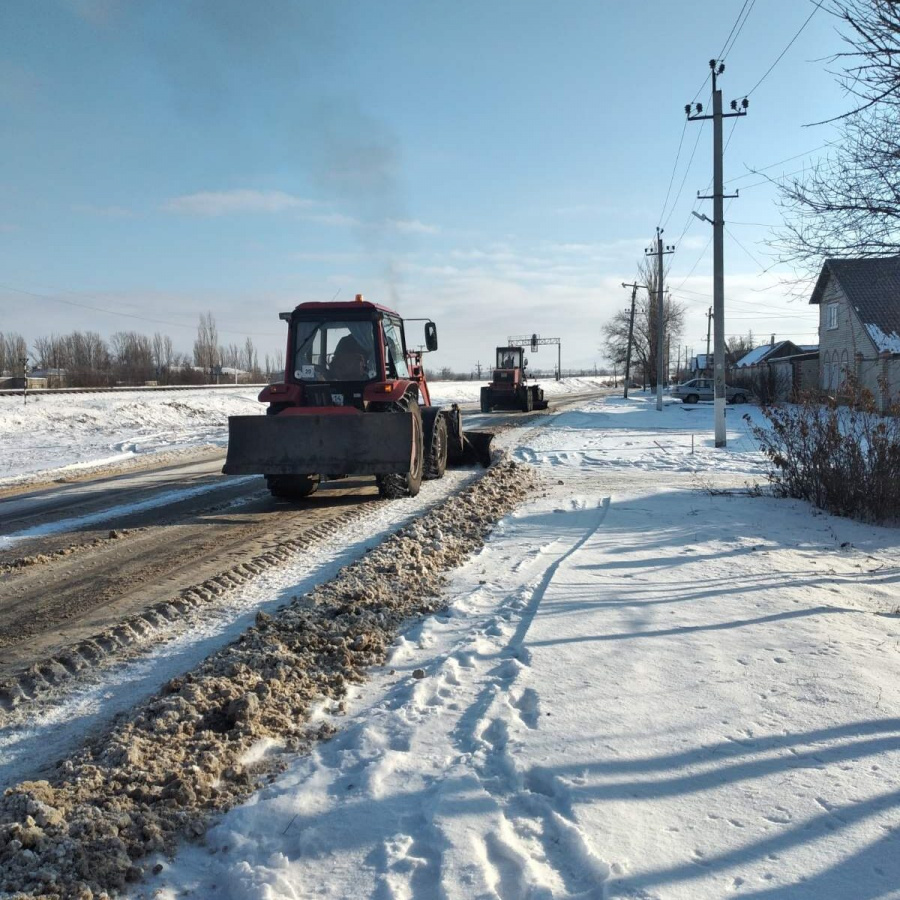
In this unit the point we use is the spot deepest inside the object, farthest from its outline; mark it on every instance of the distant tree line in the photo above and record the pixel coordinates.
(85, 359)
(12, 351)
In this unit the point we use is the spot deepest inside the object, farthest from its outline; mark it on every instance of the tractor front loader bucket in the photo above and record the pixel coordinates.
(476, 448)
(466, 448)
(365, 444)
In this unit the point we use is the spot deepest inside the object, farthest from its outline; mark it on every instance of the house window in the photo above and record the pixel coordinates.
(832, 316)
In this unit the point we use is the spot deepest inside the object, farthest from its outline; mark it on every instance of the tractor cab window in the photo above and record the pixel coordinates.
(394, 355)
(335, 350)
(509, 357)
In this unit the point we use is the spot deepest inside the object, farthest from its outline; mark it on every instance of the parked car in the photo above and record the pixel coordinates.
(704, 389)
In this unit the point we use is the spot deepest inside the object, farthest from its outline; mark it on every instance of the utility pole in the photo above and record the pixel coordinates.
(634, 289)
(24, 381)
(668, 358)
(718, 223)
(659, 253)
(478, 369)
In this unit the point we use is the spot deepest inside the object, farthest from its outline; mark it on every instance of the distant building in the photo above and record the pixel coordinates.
(779, 370)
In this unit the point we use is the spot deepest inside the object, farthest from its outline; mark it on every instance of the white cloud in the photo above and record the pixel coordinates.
(242, 200)
(412, 226)
(332, 218)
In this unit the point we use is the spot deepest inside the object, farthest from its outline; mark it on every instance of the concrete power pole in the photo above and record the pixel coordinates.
(659, 253)
(718, 223)
(634, 289)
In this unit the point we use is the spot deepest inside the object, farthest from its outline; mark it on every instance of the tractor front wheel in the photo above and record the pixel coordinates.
(407, 484)
(528, 405)
(485, 399)
(436, 462)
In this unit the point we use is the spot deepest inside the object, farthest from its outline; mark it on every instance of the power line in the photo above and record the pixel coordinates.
(674, 168)
(758, 263)
(686, 173)
(790, 43)
(758, 169)
(113, 312)
(727, 49)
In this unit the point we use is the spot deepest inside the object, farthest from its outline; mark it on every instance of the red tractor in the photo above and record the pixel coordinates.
(353, 402)
(508, 389)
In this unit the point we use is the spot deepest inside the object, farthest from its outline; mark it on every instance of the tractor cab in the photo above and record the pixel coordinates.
(348, 354)
(510, 368)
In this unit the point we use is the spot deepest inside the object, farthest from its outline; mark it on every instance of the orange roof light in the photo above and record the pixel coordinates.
(359, 298)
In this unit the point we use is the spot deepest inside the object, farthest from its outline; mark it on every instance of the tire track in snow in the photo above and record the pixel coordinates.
(533, 845)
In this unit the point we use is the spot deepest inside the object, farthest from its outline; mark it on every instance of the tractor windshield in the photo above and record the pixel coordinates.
(509, 357)
(335, 350)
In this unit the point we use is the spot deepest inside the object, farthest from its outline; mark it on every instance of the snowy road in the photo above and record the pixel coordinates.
(80, 557)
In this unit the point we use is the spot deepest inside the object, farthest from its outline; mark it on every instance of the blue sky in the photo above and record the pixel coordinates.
(498, 166)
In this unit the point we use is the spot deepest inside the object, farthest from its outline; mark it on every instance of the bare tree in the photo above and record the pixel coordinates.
(849, 205)
(737, 347)
(250, 363)
(133, 357)
(643, 348)
(163, 357)
(231, 356)
(12, 351)
(86, 359)
(206, 346)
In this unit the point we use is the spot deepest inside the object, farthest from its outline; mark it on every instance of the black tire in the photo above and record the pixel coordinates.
(528, 405)
(485, 399)
(691, 398)
(436, 461)
(292, 487)
(397, 485)
(739, 398)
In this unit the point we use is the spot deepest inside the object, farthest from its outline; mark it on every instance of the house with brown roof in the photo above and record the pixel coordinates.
(859, 325)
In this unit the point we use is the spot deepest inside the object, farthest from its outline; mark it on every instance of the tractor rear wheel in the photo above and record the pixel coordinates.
(436, 462)
(292, 487)
(406, 484)
(485, 399)
(528, 405)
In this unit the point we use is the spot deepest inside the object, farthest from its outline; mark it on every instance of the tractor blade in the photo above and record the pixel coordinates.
(476, 449)
(365, 444)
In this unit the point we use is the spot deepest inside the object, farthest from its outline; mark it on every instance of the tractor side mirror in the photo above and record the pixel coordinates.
(431, 336)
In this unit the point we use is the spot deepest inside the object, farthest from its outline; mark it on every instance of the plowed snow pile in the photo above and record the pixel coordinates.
(186, 754)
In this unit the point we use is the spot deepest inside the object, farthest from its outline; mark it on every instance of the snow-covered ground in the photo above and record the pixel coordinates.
(642, 687)
(68, 432)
